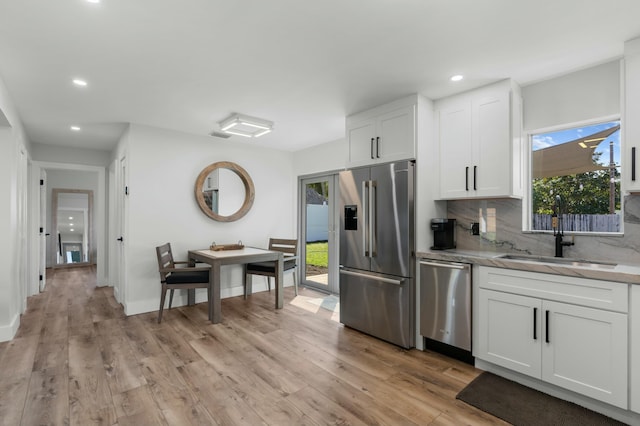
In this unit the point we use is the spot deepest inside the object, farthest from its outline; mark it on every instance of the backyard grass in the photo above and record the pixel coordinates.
(318, 254)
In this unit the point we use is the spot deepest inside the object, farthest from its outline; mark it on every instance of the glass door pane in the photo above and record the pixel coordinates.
(318, 233)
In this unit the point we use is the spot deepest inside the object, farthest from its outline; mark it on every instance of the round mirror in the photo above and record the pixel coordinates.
(224, 191)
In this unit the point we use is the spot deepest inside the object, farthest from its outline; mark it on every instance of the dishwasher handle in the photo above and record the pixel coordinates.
(449, 265)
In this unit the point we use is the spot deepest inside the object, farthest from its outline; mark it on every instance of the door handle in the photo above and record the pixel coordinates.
(372, 277)
(475, 177)
(120, 239)
(378, 147)
(372, 157)
(373, 220)
(546, 331)
(466, 178)
(449, 265)
(535, 325)
(365, 216)
(633, 164)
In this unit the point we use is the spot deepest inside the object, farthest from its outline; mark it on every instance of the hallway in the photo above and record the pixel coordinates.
(78, 360)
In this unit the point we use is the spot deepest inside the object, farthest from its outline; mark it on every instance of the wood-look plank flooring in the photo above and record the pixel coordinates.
(78, 360)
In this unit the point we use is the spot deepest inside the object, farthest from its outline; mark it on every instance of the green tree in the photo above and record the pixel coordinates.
(321, 188)
(584, 193)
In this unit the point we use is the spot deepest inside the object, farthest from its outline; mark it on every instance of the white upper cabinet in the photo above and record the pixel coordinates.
(630, 157)
(479, 134)
(383, 134)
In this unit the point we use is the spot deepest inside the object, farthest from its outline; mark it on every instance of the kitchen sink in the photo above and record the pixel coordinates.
(561, 261)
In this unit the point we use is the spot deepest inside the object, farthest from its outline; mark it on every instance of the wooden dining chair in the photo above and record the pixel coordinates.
(268, 269)
(180, 278)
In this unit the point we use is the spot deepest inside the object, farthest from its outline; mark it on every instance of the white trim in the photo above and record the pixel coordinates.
(8, 332)
(527, 198)
(180, 298)
(100, 214)
(582, 123)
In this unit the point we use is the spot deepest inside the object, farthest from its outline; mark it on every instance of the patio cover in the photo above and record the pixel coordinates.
(570, 157)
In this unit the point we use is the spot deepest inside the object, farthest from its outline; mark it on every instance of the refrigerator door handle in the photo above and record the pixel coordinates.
(377, 278)
(365, 216)
(373, 225)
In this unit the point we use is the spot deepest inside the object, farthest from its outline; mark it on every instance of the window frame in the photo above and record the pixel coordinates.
(527, 200)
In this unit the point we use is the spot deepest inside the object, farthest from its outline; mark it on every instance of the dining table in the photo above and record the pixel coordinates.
(242, 256)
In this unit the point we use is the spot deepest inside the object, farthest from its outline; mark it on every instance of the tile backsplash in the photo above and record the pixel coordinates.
(503, 232)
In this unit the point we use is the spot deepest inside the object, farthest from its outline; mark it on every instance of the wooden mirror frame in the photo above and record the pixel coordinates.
(249, 191)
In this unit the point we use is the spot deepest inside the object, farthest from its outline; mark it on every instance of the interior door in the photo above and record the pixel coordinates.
(43, 229)
(121, 194)
(318, 263)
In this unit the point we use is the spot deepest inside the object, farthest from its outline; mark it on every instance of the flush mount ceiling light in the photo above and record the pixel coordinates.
(457, 77)
(75, 128)
(242, 125)
(79, 82)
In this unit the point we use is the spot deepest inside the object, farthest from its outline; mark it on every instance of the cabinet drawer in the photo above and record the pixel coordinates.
(612, 296)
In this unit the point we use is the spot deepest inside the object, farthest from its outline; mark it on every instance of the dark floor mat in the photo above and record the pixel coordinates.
(520, 405)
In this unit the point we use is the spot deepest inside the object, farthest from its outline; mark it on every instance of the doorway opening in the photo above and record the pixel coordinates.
(317, 237)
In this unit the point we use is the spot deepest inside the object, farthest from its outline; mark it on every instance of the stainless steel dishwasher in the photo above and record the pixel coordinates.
(445, 307)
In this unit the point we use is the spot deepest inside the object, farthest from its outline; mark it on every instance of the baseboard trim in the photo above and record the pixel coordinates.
(8, 332)
(180, 299)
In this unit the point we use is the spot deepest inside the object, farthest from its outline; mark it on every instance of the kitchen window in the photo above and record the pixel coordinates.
(575, 179)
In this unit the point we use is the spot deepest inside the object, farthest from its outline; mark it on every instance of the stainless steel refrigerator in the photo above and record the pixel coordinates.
(377, 264)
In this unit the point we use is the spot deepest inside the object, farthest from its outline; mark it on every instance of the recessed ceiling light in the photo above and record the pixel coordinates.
(93, 1)
(79, 82)
(71, 229)
(75, 128)
(457, 77)
(70, 217)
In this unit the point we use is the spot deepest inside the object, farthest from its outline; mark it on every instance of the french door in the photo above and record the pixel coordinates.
(319, 260)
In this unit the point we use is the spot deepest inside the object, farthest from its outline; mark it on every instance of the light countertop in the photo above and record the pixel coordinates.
(629, 274)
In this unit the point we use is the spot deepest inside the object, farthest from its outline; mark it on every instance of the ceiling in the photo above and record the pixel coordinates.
(305, 65)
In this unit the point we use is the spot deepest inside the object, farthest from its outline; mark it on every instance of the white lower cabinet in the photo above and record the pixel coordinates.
(509, 331)
(579, 348)
(585, 350)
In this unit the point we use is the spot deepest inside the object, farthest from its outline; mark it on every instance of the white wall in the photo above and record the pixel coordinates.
(13, 141)
(163, 167)
(330, 156)
(9, 289)
(63, 154)
(572, 98)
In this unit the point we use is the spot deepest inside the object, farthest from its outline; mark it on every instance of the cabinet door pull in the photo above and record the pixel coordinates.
(378, 147)
(535, 325)
(372, 157)
(466, 178)
(475, 178)
(546, 330)
(633, 164)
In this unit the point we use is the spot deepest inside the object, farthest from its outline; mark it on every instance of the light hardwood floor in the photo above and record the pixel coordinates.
(77, 359)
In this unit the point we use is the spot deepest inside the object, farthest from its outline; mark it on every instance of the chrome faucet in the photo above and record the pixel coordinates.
(558, 227)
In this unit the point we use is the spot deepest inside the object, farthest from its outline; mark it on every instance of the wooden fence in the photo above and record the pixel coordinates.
(580, 222)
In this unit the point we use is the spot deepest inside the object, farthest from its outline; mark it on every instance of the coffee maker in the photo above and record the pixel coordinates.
(444, 233)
